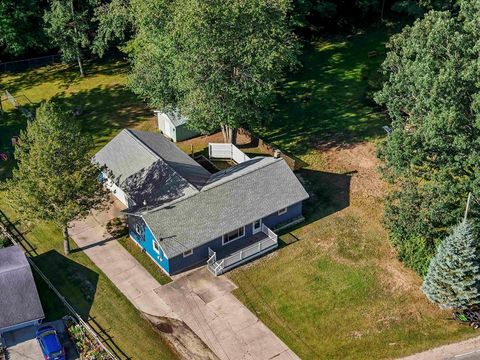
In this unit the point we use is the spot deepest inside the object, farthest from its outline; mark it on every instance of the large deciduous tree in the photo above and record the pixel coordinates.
(55, 179)
(432, 156)
(453, 277)
(20, 26)
(68, 23)
(218, 61)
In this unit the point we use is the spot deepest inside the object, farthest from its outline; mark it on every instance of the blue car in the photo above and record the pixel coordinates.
(50, 344)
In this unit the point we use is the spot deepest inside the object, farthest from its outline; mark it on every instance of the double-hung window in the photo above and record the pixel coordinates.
(233, 235)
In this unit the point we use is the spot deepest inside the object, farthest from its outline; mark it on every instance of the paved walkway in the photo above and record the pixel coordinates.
(464, 350)
(202, 301)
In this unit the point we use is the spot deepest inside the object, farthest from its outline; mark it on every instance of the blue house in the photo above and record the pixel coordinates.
(184, 216)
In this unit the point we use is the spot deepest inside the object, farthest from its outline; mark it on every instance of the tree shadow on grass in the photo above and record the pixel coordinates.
(105, 110)
(64, 75)
(327, 98)
(76, 282)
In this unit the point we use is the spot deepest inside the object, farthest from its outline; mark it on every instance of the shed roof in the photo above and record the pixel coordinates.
(232, 198)
(19, 301)
(150, 168)
(176, 118)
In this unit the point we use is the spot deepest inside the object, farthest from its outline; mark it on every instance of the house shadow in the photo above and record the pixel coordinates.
(329, 193)
(74, 279)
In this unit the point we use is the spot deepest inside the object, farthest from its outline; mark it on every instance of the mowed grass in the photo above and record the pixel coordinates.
(334, 289)
(145, 260)
(92, 295)
(328, 97)
(107, 107)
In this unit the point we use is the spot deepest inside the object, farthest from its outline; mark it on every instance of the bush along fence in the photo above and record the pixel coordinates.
(22, 65)
(86, 339)
(293, 163)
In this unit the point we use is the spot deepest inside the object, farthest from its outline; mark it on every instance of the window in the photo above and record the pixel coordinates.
(282, 211)
(187, 253)
(138, 229)
(257, 226)
(156, 247)
(234, 235)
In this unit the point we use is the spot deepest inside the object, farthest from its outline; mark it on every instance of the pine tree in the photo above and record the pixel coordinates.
(453, 277)
(55, 179)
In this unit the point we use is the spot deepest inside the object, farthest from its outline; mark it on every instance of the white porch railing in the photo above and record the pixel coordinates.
(237, 258)
(226, 151)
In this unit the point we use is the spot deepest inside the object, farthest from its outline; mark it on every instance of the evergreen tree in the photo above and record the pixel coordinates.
(453, 277)
(55, 179)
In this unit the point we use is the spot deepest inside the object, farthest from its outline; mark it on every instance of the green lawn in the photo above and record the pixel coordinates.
(145, 260)
(107, 107)
(326, 98)
(334, 290)
(92, 295)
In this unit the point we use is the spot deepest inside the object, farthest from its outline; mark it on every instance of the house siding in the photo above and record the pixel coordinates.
(145, 239)
(200, 254)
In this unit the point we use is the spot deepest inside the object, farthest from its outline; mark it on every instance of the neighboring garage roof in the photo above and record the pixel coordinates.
(150, 168)
(230, 199)
(19, 301)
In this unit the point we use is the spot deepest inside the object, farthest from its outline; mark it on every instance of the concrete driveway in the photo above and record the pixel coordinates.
(204, 302)
(22, 345)
(232, 331)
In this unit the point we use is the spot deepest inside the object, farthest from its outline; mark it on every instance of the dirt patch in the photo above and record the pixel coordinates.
(180, 338)
(360, 162)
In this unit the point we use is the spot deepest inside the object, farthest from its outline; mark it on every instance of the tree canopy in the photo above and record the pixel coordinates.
(432, 156)
(20, 26)
(68, 24)
(55, 179)
(217, 61)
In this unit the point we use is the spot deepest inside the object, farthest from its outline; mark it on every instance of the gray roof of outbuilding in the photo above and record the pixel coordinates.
(176, 118)
(232, 198)
(150, 168)
(19, 301)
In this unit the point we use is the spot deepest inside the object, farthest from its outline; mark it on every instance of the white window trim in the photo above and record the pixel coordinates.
(154, 242)
(229, 242)
(138, 229)
(188, 253)
(282, 211)
(257, 230)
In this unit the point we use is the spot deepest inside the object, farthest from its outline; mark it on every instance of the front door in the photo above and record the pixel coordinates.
(257, 226)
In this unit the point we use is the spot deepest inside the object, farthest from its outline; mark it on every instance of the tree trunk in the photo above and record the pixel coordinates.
(80, 66)
(229, 134)
(79, 59)
(66, 244)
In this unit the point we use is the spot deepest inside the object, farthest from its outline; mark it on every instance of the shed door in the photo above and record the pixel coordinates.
(168, 129)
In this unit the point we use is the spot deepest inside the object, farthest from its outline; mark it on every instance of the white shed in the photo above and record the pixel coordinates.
(174, 126)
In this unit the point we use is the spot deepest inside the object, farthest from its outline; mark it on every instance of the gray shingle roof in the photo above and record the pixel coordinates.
(232, 198)
(176, 118)
(149, 167)
(19, 301)
(183, 164)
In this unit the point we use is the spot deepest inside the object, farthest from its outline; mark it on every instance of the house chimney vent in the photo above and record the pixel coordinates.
(277, 153)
